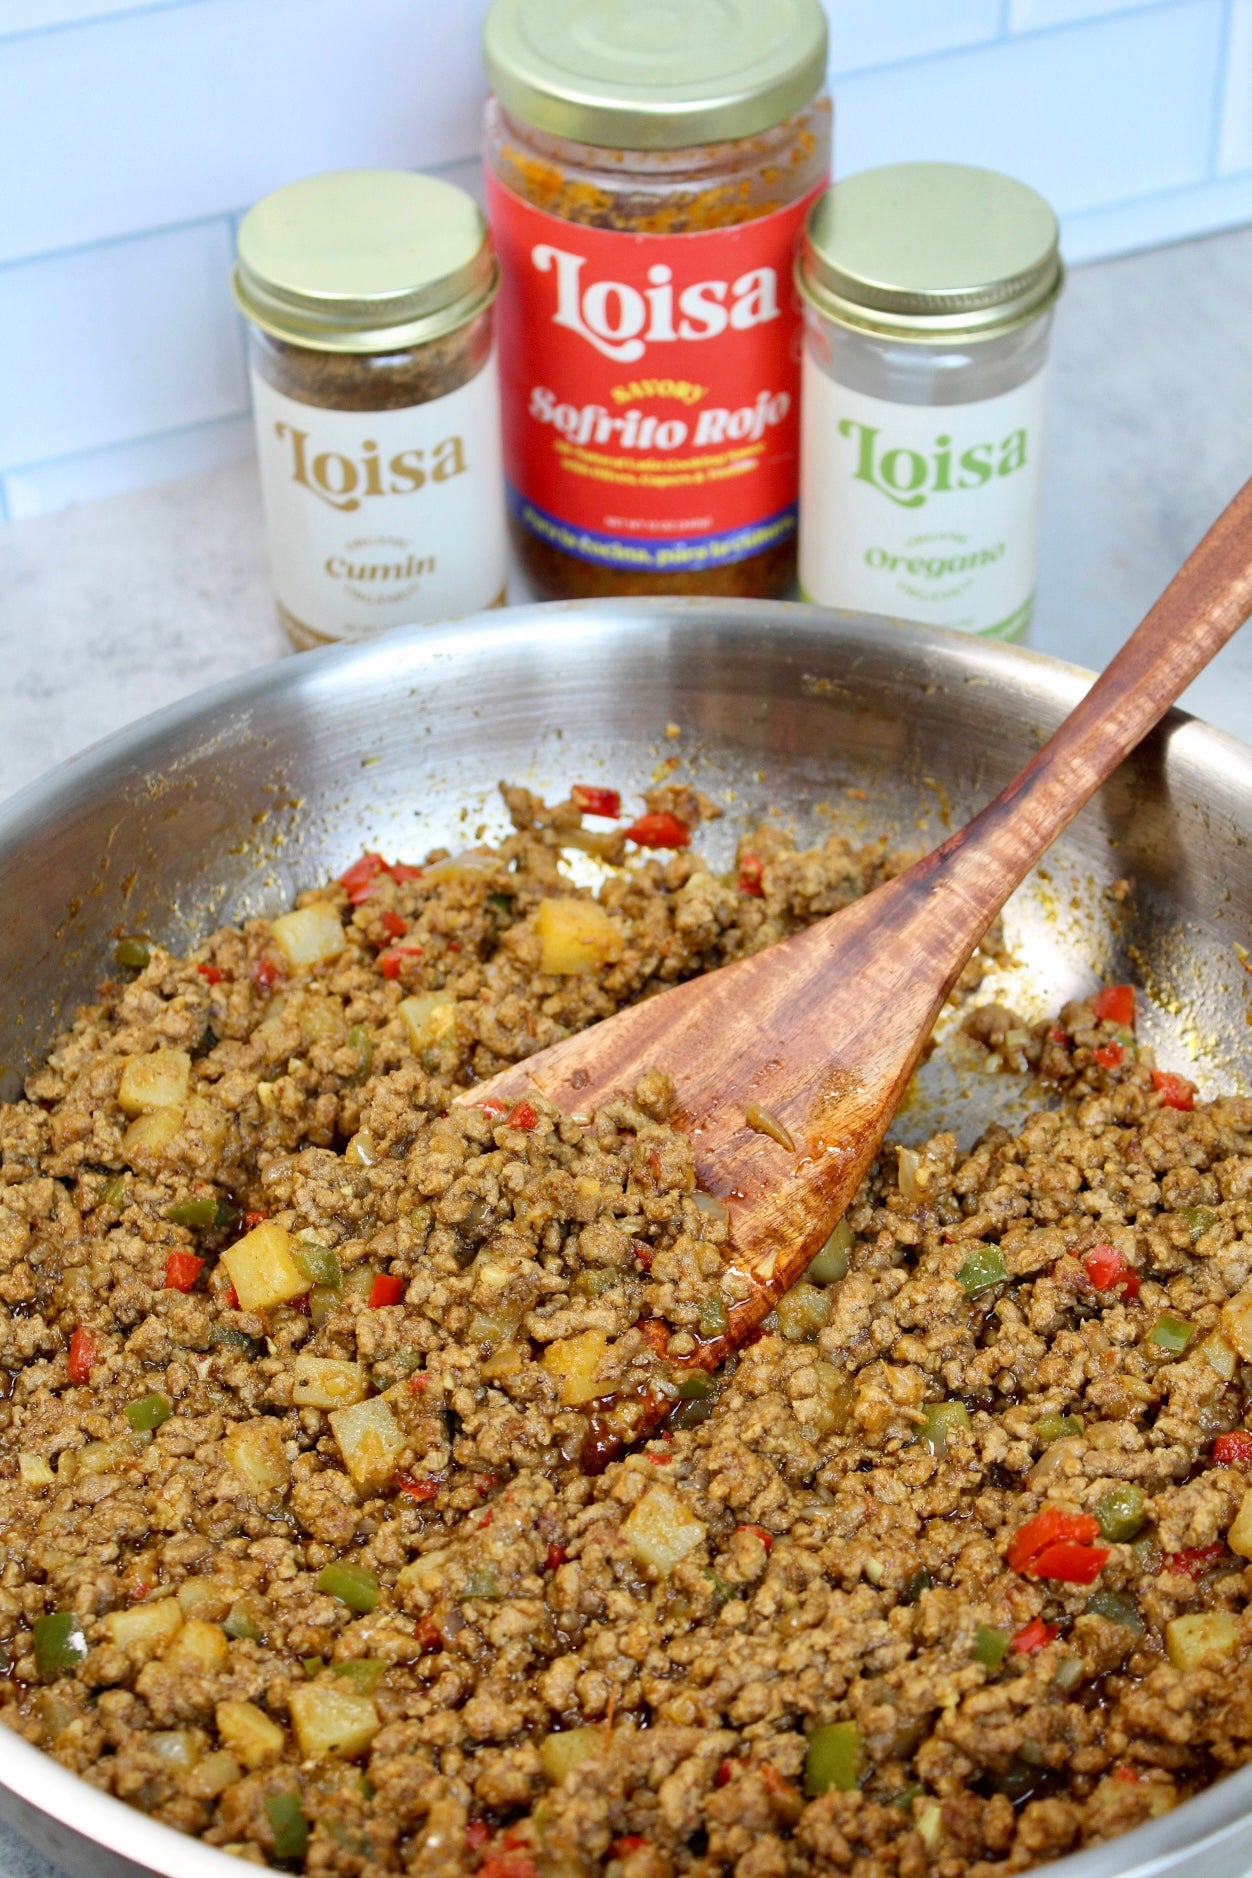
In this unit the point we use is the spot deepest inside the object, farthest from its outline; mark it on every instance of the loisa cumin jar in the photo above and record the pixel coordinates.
(368, 295)
(648, 173)
(929, 290)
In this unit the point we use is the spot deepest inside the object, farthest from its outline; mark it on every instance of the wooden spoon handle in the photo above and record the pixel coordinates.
(1204, 605)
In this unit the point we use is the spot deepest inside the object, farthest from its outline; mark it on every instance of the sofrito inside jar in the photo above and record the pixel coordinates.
(647, 192)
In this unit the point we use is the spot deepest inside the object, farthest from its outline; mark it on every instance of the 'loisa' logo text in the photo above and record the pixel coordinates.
(908, 478)
(343, 482)
(622, 321)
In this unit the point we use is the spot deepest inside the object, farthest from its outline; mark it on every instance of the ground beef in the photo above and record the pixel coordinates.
(584, 1611)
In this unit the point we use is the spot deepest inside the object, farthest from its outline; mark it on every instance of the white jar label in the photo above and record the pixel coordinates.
(921, 511)
(383, 518)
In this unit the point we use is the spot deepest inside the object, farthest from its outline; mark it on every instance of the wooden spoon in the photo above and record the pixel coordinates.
(823, 1030)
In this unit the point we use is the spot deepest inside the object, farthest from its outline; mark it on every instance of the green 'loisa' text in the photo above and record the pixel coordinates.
(908, 478)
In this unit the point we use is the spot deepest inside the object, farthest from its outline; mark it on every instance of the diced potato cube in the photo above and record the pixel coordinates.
(577, 1364)
(1239, 1538)
(199, 1648)
(312, 935)
(1219, 1355)
(262, 1269)
(34, 1470)
(369, 1439)
(1205, 1637)
(660, 1529)
(255, 1451)
(204, 1597)
(146, 1140)
(213, 1775)
(159, 1080)
(331, 1721)
(148, 1627)
(249, 1734)
(324, 1382)
(1236, 1323)
(467, 867)
(174, 1748)
(430, 1019)
(575, 936)
(561, 1754)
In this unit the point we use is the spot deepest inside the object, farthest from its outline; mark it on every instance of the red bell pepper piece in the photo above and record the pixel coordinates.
(416, 1487)
(1115, 1004)
(403, 870)
(523, 1115)
(493, 1106)
(1108, 1055)
(84, 1355)
(759, 1532)
(393, 924)
(1073, 1564)
(1194, 1560)
(1057, 1034)
(390, 961)
(253, 1219)
(358, 880)
(1175, 1091)
(593, 800)
(1033, 1637)
(724, 1774)
(212, 973)
(181, 1271)
(267, 972)
(1234, 1449)
(386, 1289)
(477, 1834)
(555, 1556)
(511, 1863)
(428, 1635)
(1048, 1528)
(750, 870)
(1107, 1270)
(629, 1842)
(660, 829)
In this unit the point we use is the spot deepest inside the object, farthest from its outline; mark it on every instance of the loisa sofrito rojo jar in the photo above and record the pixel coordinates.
(368, 295)
(648, 175)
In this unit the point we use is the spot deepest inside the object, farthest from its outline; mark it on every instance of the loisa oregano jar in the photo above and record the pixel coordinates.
(929, 290)
(649, 167)
(369, 300)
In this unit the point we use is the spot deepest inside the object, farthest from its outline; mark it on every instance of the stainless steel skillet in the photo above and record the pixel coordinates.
(228, 803)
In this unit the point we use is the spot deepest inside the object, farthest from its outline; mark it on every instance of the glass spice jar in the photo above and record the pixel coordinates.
(368, 295)
(929, 291)
(648, 174)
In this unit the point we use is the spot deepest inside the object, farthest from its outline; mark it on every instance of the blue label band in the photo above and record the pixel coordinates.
(681, 555)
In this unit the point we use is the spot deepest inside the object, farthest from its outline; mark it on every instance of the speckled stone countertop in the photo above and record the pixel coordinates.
(111, 610)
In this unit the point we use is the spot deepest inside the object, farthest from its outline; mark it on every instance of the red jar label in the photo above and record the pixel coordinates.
(650, 386)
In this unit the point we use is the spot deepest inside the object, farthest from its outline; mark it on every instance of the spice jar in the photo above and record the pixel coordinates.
(929, 291)
(369, 300)
(648, 174)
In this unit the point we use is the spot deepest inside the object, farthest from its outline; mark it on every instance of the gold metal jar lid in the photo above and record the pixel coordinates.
(930, 251)
(655, 74)
(364, 261)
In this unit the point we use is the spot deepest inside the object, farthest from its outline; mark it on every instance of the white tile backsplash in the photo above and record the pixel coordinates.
(1095, 114)
(139, 132)
(118, 342)
(882, 32)
(148, 119)
(30, 16)
(93, 474)
(1029, 15)
(1235, 147)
